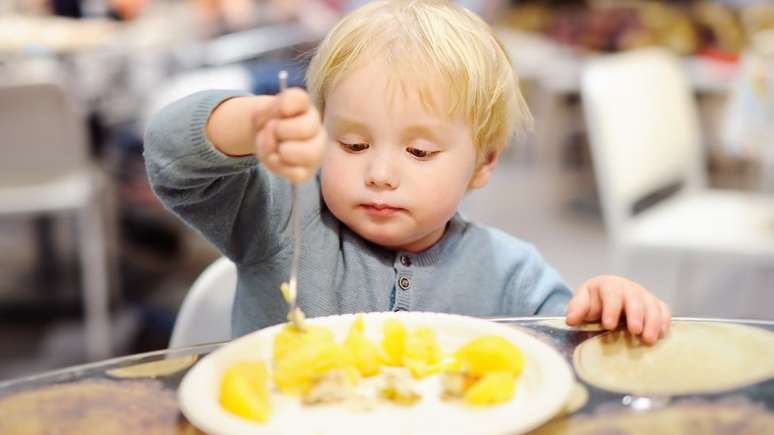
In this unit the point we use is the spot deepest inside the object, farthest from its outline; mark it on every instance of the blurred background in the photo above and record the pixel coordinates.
(91, 265)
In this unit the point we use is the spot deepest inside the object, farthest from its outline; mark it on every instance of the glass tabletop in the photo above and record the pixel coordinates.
(137, 393)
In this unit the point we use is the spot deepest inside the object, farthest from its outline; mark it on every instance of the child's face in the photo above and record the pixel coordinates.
(395, 172)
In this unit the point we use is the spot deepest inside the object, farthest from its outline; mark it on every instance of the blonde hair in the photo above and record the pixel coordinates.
(424, 41)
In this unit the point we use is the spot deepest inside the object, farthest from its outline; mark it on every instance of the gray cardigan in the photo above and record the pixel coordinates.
(244, 211)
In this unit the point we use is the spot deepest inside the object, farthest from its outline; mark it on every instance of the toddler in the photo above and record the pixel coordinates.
(409, 105)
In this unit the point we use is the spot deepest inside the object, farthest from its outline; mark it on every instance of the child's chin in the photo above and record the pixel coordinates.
(383, 238)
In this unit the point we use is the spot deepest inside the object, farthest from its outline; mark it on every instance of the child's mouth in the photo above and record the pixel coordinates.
(381, 210)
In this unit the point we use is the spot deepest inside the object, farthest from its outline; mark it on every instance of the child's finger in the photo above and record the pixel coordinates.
(635, 314)
(652, 326)
(303, 153)
(595, 302)
(612, 305)
(266, 142)
(578, 307)
(666, 318)
(304, 126)
(295, 174)
(267, 110)
(273, 163)
(293, 101)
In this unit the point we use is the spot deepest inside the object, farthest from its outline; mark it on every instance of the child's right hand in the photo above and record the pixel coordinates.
(290, 141)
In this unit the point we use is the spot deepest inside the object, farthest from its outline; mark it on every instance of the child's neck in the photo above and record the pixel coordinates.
(424, 243)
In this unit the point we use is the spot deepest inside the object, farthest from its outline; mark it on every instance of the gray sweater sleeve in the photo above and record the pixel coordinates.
(541, 286)
(235, 203)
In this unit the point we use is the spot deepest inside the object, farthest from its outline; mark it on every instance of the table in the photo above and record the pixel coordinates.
(108, 66)
(558, 67)
(124, 395)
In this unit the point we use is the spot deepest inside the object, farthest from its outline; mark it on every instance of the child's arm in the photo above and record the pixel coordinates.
(200, 158)
(606, 297)
(260, 124)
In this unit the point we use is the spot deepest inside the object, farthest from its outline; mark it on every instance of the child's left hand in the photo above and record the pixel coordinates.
(606, 297)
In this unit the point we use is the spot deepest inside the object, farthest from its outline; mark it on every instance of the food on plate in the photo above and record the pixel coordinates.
(333, 386)
(314, 366)
(492, 388)
(297, 371)
(244, 390)
(421, 353)
(365, 353)
(394, 342)
(398, 387)
(484, 371)
(490, 353)
(291, 339)
(455, 384)
(417, 350)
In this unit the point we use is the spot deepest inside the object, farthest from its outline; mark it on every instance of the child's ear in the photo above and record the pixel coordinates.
(484, 171)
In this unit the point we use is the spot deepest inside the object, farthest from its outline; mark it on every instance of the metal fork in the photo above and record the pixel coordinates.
(290, 292)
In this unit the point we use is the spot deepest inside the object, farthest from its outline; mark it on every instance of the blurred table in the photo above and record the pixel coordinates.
(128, 395)
(20, 33)
(108, 66)
(558, 67)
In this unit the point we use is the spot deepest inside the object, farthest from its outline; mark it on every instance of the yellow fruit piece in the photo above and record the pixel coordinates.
(290, 339)
(286, 293)
(493, 388)
(451, 365)
(394, 342)
(422, 345)
(422, 354)
(421, 369)
(490, 353)
(296, 372)
(358, 325)
(365, 354)
(244, 391)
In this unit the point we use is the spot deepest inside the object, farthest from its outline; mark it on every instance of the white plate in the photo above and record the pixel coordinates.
(541, 390)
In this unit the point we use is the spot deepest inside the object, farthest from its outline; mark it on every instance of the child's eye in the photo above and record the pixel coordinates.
(354, 147)
(420, 154)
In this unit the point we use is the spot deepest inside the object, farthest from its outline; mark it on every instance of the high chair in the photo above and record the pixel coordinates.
(205, 316)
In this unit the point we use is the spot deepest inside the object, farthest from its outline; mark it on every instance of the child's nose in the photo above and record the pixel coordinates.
(381, 173)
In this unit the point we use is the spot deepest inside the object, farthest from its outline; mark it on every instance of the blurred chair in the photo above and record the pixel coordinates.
(648, 157)
(205, 316)
(46, 170)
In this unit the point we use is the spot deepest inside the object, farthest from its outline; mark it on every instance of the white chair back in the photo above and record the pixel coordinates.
(205, 316)
(43, 136)
(46, 169)
(643, 127)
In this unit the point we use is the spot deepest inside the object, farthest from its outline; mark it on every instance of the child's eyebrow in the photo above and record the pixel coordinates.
(427, 130)
(348, 124)
(430, 131)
